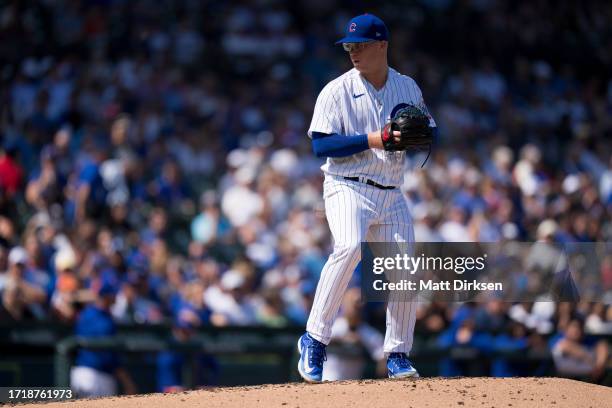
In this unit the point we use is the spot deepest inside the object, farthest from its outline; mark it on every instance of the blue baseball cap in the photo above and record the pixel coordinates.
(363, 28)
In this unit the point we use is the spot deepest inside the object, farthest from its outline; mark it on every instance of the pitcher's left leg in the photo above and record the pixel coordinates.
(396, 227)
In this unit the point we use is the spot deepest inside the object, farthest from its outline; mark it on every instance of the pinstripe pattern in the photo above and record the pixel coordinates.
(357, 212)
(338, 111)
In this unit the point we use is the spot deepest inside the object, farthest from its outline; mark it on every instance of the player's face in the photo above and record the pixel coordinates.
(367, 56)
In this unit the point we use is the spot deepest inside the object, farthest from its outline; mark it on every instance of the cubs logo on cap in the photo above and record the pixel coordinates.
(363, 28)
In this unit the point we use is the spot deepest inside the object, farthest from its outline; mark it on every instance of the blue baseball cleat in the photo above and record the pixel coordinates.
(399, 366)
(312, 356)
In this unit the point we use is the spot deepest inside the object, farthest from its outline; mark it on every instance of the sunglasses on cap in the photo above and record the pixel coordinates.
(354, 47)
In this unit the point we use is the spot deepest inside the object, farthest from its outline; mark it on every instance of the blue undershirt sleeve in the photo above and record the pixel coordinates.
(335, 145)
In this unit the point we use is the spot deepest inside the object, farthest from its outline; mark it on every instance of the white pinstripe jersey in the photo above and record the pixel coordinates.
(349, 105)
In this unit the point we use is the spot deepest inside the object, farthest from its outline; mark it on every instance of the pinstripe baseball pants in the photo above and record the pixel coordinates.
(357, 212)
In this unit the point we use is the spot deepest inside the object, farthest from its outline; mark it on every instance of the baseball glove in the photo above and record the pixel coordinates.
(413, 125)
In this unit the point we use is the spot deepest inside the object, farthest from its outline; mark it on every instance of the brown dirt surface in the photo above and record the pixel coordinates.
(422, 392)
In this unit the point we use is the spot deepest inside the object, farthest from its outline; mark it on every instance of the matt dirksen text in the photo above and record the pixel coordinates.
(456, 284)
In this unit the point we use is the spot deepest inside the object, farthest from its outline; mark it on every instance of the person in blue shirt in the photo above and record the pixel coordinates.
(170, 188)
(171, 363)
(462, 333)
(96, 372)
(517, 339)
(86, 193)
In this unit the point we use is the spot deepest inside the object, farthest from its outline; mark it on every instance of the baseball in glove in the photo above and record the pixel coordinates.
(415, 134)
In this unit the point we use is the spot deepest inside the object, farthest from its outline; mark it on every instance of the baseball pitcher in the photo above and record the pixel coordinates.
(364, 122)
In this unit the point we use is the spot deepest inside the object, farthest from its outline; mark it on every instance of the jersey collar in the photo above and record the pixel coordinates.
(365, 86)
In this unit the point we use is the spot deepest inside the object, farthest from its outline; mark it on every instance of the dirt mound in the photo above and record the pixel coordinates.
(424, 392)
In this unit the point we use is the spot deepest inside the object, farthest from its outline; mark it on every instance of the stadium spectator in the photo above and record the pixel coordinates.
(577, 355)
(22, 288)
(96, 372)
(271, 309)
(133, 303)
(68, 290)
(229, 300)
(171, 363)
(599, 320)
(11, 173)
(350, 329)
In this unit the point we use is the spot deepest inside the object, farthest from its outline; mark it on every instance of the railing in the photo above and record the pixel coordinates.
(230, 341)
(248, 355)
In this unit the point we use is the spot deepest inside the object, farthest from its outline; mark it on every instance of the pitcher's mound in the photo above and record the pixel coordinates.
(424, 392)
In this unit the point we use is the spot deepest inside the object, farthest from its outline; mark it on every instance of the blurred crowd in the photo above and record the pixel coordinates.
(157, 150)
